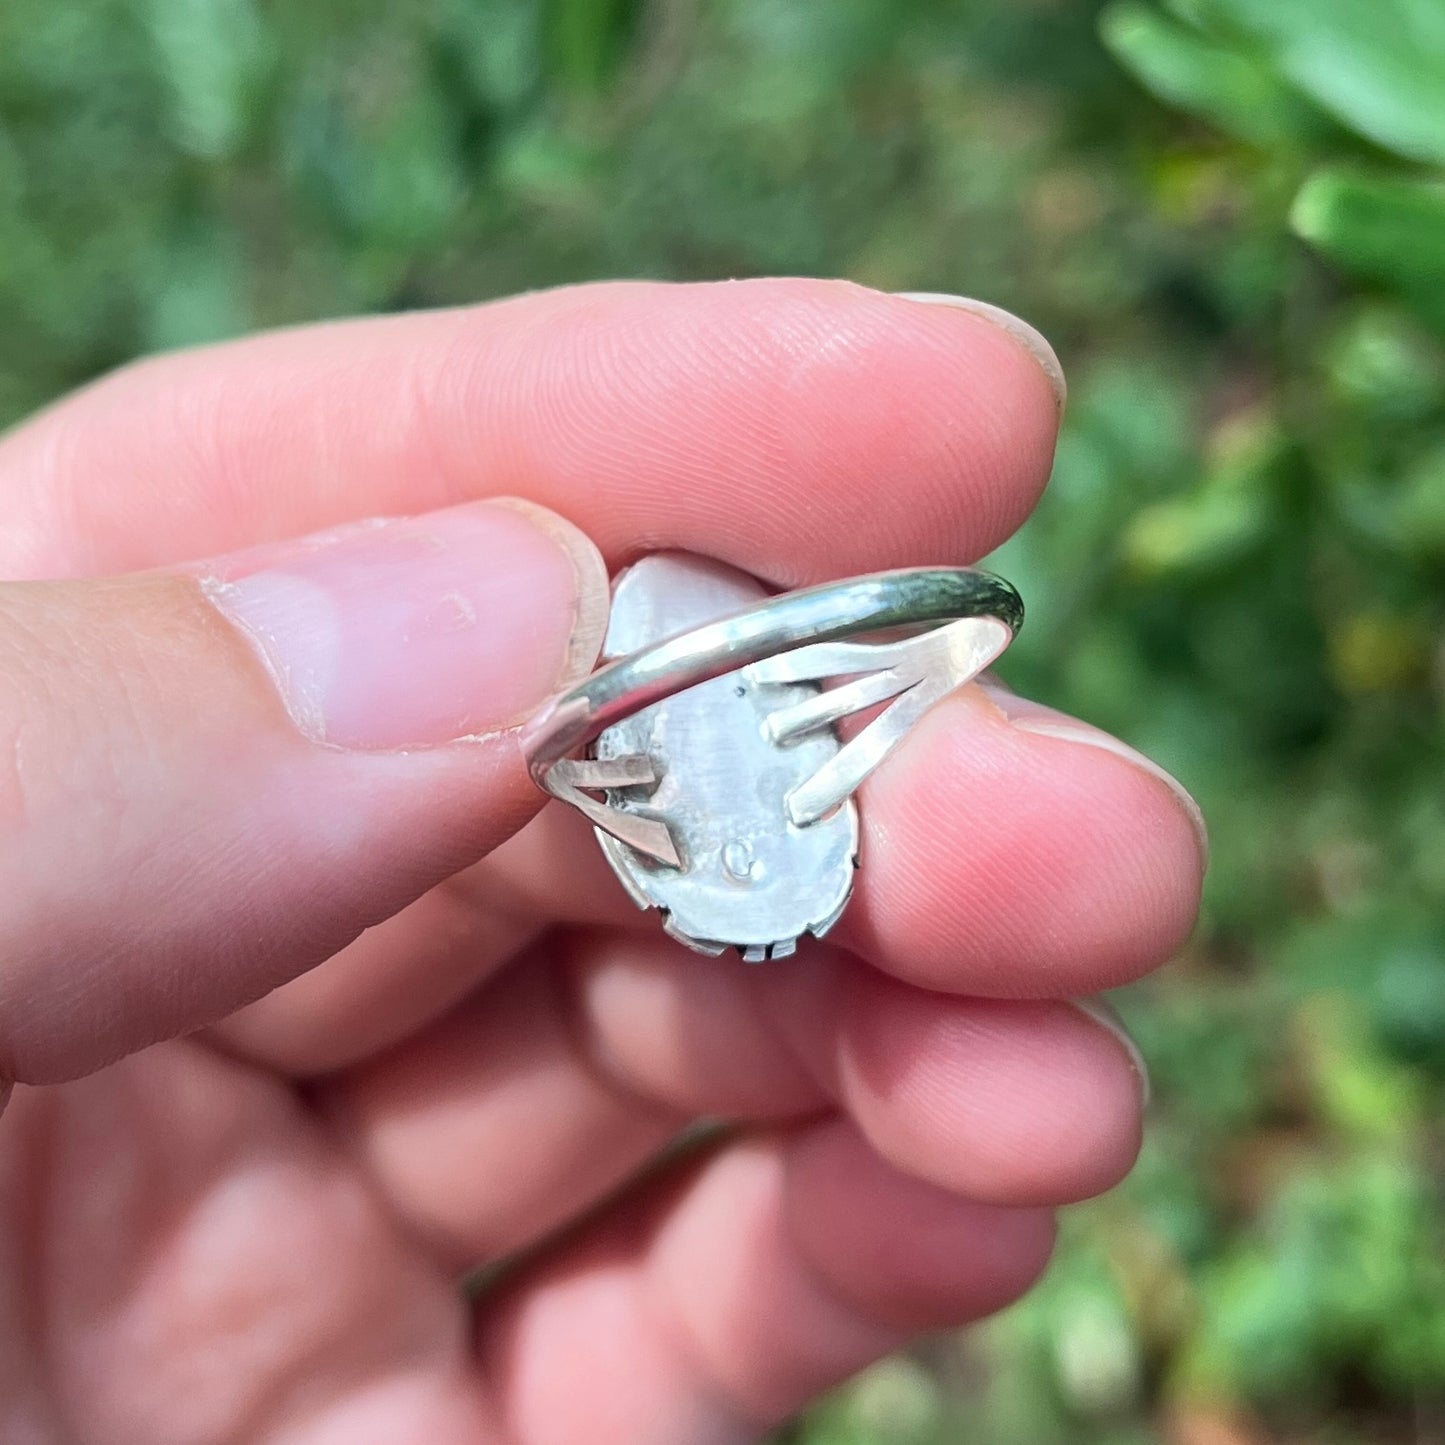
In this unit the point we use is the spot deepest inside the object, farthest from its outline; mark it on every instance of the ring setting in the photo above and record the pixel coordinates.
(709, 755)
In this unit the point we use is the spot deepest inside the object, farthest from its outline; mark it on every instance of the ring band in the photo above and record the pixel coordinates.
(953, 622)
(828, 613)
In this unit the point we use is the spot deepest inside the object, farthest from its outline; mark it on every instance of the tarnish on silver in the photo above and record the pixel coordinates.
(726, 788)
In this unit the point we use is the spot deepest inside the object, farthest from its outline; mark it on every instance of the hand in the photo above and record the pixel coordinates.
(222, 776)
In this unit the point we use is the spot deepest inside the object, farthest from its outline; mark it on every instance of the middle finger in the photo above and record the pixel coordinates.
(526, 1105)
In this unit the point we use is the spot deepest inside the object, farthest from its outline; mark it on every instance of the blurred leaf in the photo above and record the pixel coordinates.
(1356, 1088)
(1254, 1330)
(197, 291)
(1418, 507)
(897, 1400)
(1335, 1273)
(1236, 89)
(1376, 66)
(586, 40)
(387, 174)
(1211, 527)
(548, 167)
(1097, 1354)
(1383, 229)
(499, 43)
(1376, 651)
(1382, 363)
(1390, 959)
(214, 56)
(1217, 522)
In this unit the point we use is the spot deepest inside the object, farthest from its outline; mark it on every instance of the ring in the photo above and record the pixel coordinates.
(706, 751)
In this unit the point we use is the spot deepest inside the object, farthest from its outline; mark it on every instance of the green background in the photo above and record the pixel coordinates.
(1228, 214)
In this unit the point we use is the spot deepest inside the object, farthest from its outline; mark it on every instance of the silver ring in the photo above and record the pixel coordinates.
(726, 789)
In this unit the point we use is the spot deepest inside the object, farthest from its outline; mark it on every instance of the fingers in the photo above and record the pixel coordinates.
(704, 1309)
(1023, 855)
(746, 1292)
(399, 976)
(1015, 852)
(576, 1079)
(799, 429)
(702, 1312)
(1013, 1103)
(217, 779)
(500, 1079)
(1008, 851)
(889, 1243)
(195, 1262)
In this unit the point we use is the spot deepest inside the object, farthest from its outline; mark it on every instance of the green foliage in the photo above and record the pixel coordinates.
(1228, 215)
(1383, 229)
(1375, 67)
(1226, 83)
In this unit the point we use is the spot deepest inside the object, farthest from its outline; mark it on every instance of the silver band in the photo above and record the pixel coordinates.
(828, 613)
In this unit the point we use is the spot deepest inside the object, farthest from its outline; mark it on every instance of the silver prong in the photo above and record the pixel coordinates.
(924, 669)
(597, 774)
(698, 945)
(825, 708)
(651, 836)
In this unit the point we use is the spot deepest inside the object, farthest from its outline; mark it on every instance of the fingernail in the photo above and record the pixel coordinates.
(1103, 1014)
(1031, 339)
(404, 632)
(1034, 717)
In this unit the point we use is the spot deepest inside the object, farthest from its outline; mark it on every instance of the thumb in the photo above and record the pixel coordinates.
(211, 780)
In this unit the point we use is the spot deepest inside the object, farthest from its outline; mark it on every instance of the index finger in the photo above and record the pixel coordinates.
(799, 429)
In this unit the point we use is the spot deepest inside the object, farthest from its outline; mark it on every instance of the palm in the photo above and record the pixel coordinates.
(206, 1264)
(257, 1234)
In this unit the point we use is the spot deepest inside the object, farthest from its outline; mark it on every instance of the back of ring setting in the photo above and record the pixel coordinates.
(725, 786)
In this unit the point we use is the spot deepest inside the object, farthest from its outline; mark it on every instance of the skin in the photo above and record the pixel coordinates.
(281, 1078)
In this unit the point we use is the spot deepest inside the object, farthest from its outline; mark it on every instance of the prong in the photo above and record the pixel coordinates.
(568, 777)
(825, 708)
(924, 669)
(598, 774)
(815, 662)
(708, 946)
